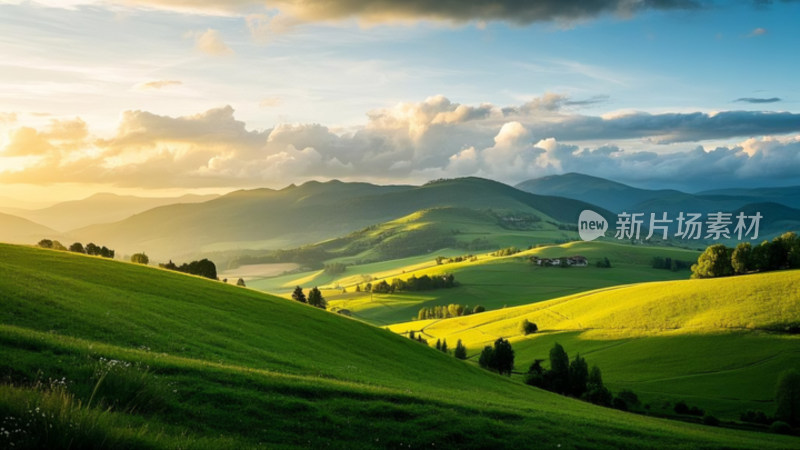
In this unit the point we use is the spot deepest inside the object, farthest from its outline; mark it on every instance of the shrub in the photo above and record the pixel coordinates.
(528, 327)
(140, 258)
(710, 420)
(780, 427)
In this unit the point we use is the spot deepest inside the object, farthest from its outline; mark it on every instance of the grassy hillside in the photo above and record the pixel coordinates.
(493, 282)
(710, 342)
(135, 357)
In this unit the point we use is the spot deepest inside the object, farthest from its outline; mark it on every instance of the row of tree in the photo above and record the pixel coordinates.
(314, 298)
(203, 268)
(574, 378)
(77, 247)
(423, 283)
(783, 252)
(445, 311)
(456, 259)
(508, 251)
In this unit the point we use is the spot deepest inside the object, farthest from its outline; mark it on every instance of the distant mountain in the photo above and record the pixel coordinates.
(599, 191)
(789, 196)
(620, 197)
(17, 230)
(777, 219)
(312, 212)
(100, 208)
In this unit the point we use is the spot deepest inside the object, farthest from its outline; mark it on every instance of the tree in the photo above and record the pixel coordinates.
(460, 351)
(240, 282)
(92, 249)
(558, 376)
(299, 295)
(438, 344)
(595, 391)
(787, 397)
(140, 258)
(59, 246)
(487, 359)
(503, 356)
(578, 376)
(528, 327)
(77, 247)
(315, 298)
(411, 334)
(444, 346)
(45, 243)
(478, 309)
(714, 262)
(741, 258)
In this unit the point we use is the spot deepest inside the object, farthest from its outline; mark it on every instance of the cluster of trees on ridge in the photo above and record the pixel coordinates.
(423, 283)
(77, 247)
(203, 268)
(451, 310)
(314, 298)
(717, 260)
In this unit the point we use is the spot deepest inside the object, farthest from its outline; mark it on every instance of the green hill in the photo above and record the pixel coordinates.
(491, 281)
(312, 212)
(107, 354)
(717, 343)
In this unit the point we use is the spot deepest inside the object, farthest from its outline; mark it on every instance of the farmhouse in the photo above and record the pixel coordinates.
(573, 261)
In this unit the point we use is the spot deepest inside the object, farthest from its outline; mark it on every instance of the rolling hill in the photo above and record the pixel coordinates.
(312, 212)
(718, 343)
(135, 357)
(23, 231)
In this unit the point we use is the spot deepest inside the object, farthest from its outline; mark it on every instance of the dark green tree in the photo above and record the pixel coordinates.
(92, 249)
(298, 295)
(438, 344)
(240, 282)
(503, 356)
(787, 397)
(140, 258)
(714, 262)
(487, 359)
(578, 376)
(315, 298)
(528, 327)
(77, 247)
(596, 392)
(444, 346)
(478, 309)
(558, 376)
(460, 351)
(741, 258)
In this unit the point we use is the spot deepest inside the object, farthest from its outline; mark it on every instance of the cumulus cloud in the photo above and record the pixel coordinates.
(157, 84)
(412, 141)
(758, 100)
(210, 42)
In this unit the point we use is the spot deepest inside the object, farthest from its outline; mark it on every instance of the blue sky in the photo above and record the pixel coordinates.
(162, 96)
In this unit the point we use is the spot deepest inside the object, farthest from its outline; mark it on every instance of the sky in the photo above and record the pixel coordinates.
(164, 97)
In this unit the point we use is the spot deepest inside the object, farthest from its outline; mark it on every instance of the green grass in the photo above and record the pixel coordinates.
(497, 282)
(709, 342)
(208, 365)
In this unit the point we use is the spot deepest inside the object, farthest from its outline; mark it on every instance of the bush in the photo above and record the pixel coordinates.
(787, 397)
(140, 258)
(618, 403)
(528, 327)
(681, 407)
(755, 417)
(780, 427)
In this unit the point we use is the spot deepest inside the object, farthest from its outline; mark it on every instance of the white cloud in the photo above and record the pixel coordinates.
(210, 42)
(408, 142)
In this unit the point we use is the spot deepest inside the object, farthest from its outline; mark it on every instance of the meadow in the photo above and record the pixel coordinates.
(717, 343)
(103, 354)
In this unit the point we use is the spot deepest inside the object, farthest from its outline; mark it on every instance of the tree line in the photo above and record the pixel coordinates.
(203, 268)
(717, 260)
(423, 283)
(446, 311)
(77, 247)
(667, 263)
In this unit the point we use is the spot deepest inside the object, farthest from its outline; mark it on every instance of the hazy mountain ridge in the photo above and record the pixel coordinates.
(23, 231)
(312, 212)
(99, 208)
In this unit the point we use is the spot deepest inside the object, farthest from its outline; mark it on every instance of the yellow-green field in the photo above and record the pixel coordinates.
(715, 342)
